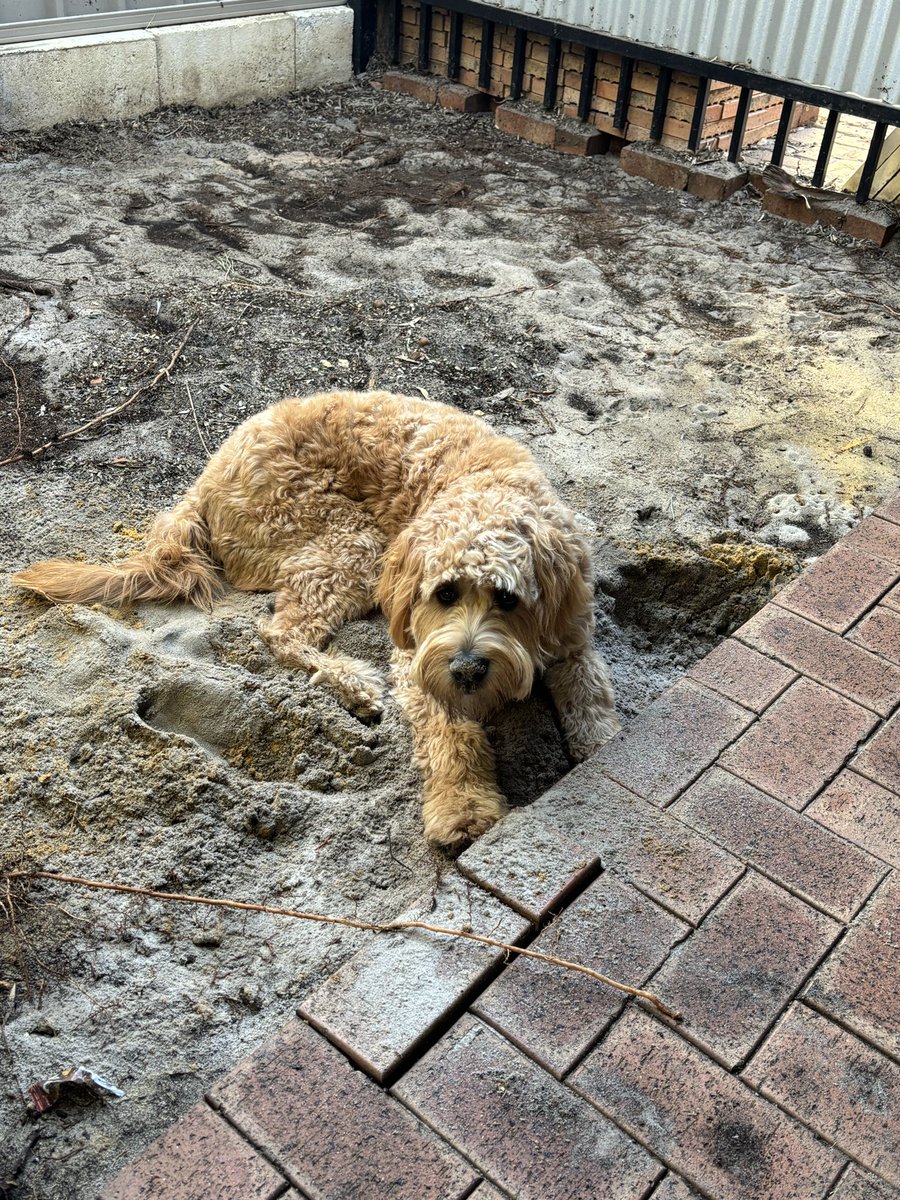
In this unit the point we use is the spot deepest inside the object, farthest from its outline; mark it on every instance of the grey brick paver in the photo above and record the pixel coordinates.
(381, 1004)
(785, 845)
(877, 537)
(673, 1188)
(859, 983)
(520, 1126)
(879, 759)
(825, 657)
(857, 1184)
(736, 973)
(837, 589)
(835, 1083)
(199, 1158)
(880, 633)
(554, 1014)
(742, 674)
(529, 864)
(664, 749)
(335, 1133)
(862, 811)
(799, 742)
(653, 850)
(702, 1121)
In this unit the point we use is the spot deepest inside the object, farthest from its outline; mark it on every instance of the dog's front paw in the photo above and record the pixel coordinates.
(454, 819)
(587, 736)
(359, 688)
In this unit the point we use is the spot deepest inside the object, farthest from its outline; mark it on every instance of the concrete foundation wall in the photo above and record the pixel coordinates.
(114, 75)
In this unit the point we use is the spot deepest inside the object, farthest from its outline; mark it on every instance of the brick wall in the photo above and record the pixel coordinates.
(762, 121)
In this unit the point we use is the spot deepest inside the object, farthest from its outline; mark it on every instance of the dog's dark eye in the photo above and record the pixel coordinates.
(446, 595)
(505, 600)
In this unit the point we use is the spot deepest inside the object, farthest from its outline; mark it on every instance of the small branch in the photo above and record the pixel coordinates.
(351, 922)
(18, 395)
(8, 284)
(196, 422)
(163, 372)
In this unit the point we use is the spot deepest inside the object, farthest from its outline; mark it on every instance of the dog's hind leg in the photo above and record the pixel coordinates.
(462, 799)
(329, 582)
(583, 695)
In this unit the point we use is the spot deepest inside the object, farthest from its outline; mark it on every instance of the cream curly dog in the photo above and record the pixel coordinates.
(344, 501)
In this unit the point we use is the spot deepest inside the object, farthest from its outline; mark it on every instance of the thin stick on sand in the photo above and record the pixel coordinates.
(351, 922)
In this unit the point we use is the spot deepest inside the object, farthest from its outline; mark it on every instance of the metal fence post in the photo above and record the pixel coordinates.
(364, 29)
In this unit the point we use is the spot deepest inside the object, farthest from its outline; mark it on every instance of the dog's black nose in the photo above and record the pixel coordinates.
(468, 670)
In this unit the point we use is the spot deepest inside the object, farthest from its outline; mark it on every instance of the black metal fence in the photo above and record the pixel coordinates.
(379, 21)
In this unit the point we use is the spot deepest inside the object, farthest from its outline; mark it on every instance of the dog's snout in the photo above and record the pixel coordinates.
(468, 670)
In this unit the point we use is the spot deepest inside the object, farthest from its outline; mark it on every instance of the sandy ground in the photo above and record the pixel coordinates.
(712, 389)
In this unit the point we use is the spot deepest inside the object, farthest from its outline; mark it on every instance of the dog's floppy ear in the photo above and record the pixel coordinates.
(398, 587)
(562, 563)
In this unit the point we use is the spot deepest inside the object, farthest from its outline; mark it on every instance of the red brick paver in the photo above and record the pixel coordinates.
(382, 1004)
(332, 1130)
(879, 759)
(525, 1130)
(890, 510)
(862, 811)
(800, 742)
(703, 1122)
(879, 632)
(555, 1015)
(742, 675)
(733, 977)
(825, 657)
(659, 753)
(199, 1158)
(531, 865)
(860, 982)
(856, 1184)
(783, 844)
(839, 588)
(877, 537)
(836, 1084)
(673, 1188)
(653, 850)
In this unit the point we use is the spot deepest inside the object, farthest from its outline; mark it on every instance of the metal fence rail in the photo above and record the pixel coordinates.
(882, 115)
(37, 20)
(851, 46)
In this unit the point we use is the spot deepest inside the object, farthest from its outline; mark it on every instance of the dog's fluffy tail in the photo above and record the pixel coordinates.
(175, 564)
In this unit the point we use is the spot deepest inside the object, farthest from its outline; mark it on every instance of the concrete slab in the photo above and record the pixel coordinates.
(107, 76)
(324, 44)
(116, 75)
(226, 62)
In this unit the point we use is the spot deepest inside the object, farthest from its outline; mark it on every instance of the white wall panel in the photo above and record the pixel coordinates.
(846, 45)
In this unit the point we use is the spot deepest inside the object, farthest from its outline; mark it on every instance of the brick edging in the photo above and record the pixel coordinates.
(716, 861)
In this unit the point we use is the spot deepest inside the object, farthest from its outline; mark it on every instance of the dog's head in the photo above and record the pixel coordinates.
(485, 588)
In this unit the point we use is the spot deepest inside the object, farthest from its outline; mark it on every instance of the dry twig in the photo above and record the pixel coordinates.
(163, 372)
(353, 923)
(196, 422)
(18, 396)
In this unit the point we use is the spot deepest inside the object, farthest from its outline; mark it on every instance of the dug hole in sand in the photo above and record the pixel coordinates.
(713, 390)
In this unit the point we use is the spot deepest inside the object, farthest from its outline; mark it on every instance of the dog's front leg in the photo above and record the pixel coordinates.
(583, 695)
(462, 799)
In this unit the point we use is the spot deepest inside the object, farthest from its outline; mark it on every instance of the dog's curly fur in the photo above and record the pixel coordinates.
(344, 501)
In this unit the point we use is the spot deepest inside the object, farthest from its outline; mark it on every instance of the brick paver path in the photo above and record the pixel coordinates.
(736, 851)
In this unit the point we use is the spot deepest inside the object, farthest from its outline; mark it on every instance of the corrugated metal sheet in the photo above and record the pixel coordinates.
(850, 46)
(27, 20)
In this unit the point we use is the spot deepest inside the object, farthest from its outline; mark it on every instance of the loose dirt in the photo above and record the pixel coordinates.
(713, 390)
